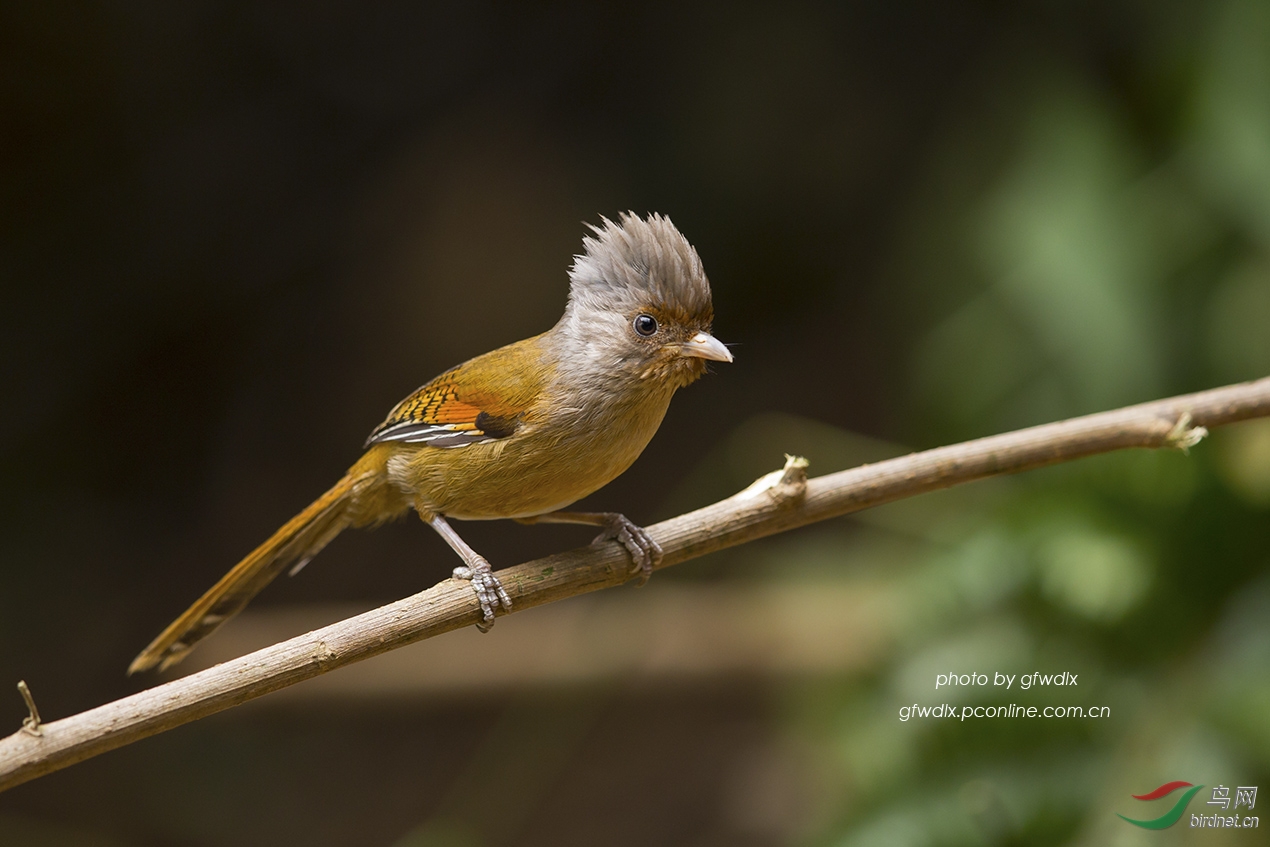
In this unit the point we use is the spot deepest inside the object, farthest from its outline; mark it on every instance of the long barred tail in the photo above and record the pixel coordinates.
(289, 548)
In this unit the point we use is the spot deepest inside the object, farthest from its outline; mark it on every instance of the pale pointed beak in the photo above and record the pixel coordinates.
(703, 345)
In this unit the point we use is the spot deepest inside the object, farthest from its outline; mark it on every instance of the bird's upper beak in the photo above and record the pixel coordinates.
(703, 345)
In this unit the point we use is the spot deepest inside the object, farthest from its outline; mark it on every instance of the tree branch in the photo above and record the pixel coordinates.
(777, 502)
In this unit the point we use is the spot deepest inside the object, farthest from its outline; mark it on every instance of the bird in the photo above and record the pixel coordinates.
(521, 432)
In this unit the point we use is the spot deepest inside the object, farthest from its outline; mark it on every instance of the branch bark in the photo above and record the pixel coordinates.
(775, 503)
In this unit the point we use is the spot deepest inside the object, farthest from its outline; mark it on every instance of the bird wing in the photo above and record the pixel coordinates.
(484, 399)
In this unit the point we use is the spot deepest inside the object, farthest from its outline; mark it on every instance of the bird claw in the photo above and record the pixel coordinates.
(645, 552)
(489, 591)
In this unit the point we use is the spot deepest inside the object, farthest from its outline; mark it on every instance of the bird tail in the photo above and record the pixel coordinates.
(290, 547)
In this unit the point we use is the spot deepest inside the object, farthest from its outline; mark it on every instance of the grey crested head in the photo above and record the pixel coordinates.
(635, 262)
(639, 309)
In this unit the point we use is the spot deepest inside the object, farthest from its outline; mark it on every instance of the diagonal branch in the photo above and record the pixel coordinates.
(779, 501)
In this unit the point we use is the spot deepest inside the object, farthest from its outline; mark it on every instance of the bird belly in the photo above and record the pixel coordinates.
(538, 470)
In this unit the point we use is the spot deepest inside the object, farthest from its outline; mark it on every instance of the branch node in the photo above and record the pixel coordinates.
(788, 483)
(795, 472)
(31, 723)
(1183, 436)
(323, 653)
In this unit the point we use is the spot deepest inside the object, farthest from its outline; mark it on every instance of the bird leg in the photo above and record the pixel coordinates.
(617, 527)
(489, 591)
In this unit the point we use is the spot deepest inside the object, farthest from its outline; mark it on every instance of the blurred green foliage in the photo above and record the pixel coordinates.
(1099, 262)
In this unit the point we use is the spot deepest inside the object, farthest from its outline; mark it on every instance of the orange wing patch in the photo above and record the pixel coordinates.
(484, 399)
(436, 403)
(442, 414)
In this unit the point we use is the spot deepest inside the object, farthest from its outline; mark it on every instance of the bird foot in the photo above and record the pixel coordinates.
(645, 552)
(489, 591)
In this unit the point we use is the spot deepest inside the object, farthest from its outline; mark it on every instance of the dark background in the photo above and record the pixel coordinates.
(232, 236)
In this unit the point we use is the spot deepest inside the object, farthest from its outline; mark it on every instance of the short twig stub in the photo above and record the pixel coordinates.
(31, 723)
(1184, 436)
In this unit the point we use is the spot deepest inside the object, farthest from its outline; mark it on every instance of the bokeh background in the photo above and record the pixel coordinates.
(232, 235)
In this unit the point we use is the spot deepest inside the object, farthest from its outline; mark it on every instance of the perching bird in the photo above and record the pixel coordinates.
(520, 432)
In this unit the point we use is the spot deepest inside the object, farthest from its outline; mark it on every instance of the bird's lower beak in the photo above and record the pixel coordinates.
(703, 345)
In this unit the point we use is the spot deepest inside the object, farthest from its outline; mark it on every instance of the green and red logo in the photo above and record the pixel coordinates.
(1174, 814)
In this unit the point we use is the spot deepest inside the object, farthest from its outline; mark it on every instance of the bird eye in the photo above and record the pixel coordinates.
(645, 325)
